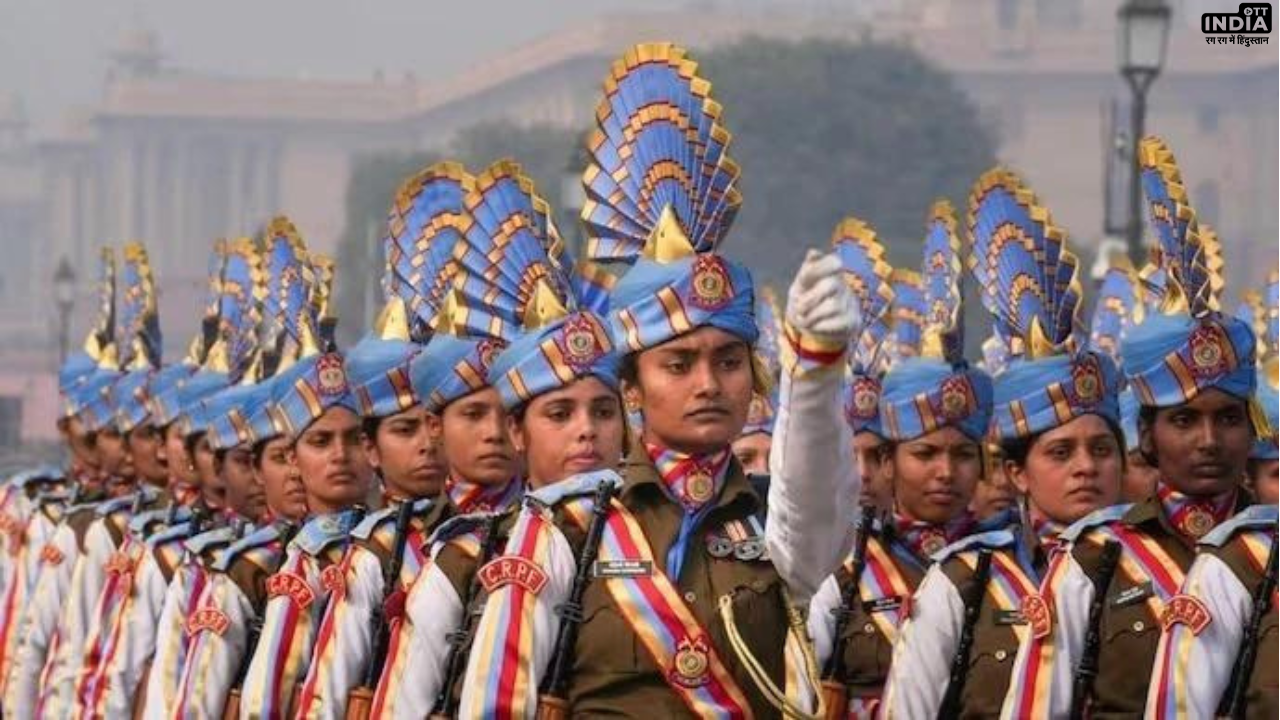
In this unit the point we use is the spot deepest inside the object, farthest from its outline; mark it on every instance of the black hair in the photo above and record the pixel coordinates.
(629, 368)
(369, 426)
(258, 451)
(1016, 450)
(190, 441)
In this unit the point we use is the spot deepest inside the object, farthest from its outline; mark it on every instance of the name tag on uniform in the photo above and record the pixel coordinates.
(883, 604)
(1133, 595)
(1009, 617)
(623, 568)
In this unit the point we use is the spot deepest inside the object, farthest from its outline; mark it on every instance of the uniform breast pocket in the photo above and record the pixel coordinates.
(606, 641)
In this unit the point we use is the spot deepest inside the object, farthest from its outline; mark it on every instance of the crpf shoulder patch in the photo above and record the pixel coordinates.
(1186, 610)
(512, 570)
(208, 618)
(291, 585)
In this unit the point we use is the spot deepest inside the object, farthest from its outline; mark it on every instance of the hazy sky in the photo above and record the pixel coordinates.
(53, 53)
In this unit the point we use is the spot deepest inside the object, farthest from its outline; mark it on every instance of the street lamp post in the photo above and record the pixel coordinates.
(1144, 34)
(64, 297)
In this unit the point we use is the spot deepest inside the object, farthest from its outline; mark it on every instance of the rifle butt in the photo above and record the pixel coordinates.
(232, 709)
(359, 703)
(552, 708)
(835, 700)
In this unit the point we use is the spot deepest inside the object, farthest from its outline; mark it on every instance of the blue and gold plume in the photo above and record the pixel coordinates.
(868, 275)
(1182, 251)
(1030, 284)
(661, 195)
(100, 344)
(660, 179)
(907, 315)
(139, 312)
(942, 278)
(1120, 305)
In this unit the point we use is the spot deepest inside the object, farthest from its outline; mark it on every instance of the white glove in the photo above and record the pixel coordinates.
(820, 303)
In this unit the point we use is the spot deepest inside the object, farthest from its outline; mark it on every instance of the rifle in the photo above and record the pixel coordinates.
(460, 639)
(232, 709)
(553, 701)
(1235, 701)
(1087, 670)
(835, 692)
(360, 699)
(960, 661)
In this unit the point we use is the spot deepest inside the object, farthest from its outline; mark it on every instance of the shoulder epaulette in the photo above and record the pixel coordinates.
(107, 507)
(177, 531)
(324, 530)
(138, 523)
(214, 536)
(460, 525)
(571, 487)
(371, 521)
(1252, 517)
(992, 539)
(1102, 516)
(84, 507)
(258, 538)
(387, 515)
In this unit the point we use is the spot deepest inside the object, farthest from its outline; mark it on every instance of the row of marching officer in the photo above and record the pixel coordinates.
(548, 442)
(1132, 574)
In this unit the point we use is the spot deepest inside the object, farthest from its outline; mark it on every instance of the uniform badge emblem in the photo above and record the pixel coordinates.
(931, 542)
(333, 580)
(1186, 610)
(699, 486)
(331, 377)
(956, 398)
(51, 555)
(1036, 611)
(1196, 522)
(1086, 382)
(486, 352)
(1209, 352)
(711, 286)
(866, 398)
(689, 667)
(290, 585)
(758, 411)
(512, 570)
(208, 618)
(579, 342)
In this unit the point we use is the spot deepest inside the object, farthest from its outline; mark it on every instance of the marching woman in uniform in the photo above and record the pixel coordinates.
(1056, 417)
(862, 259)
(1095, 621)
(484, 477)
(933, 414)
(1217, 656)
(682, 613)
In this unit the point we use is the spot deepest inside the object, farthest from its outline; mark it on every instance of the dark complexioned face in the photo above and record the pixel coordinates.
(995, 492)
(934, 476)
(331, 458)
(406, 449)
(1071, 470)
(117, 461)
(752, 452)
(477, 445)
(212, 489)
(694, 391)
(1201, 447)
(1266, 481)
(1140, 478)
(244, 493)
(83, 446)
(877, 485)
(145, 446)
(182, 467)
(575, 429)
(281, 482)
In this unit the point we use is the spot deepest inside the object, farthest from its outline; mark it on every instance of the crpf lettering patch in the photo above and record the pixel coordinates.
(512, 570)
(1186, 610)
(1038, 616)
(291, 585)
(333, 580)
(208, 618)
(51, 555)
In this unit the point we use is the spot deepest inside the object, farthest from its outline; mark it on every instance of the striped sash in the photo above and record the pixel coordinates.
(665, 625)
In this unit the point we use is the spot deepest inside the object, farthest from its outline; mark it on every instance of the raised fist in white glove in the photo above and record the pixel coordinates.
(820, 303)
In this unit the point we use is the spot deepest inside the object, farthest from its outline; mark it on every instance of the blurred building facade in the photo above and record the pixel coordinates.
(177, 158)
